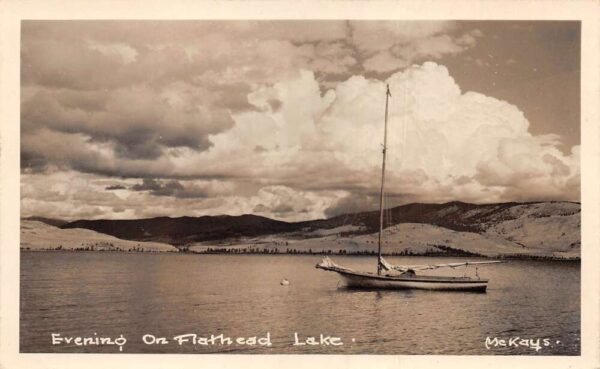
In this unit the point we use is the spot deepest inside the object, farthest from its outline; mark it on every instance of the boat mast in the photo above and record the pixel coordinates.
(387, 95)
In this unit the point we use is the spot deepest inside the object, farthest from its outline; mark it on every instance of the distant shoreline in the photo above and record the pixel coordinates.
(543, 230)
(359, 254)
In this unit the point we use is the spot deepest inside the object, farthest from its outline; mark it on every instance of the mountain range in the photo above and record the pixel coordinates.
(540, 228)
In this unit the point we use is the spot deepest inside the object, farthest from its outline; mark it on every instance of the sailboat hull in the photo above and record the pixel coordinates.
(450, 285)
(372, 281)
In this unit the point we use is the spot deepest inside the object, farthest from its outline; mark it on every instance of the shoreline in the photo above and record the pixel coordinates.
(354, 254)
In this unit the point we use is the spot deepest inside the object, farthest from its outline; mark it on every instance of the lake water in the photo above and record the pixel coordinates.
(166, 295)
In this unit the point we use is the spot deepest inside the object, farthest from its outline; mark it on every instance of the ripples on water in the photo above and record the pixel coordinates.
(79, 294)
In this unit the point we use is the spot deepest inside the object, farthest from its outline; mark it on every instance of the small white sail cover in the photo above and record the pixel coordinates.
(328, 264)
(403, 268)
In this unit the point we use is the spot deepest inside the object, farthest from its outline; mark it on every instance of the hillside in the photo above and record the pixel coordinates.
(458, 216)
(49, 221)
(185, 230)
(41, 236)
(536, 229)
(401, 239)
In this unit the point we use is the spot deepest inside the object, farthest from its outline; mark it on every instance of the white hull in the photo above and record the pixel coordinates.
(449, 285)
(354, 279)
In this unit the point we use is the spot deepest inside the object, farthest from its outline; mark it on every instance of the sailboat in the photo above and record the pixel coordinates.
(390, 276)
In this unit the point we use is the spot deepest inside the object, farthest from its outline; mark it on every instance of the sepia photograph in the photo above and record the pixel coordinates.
(191, 174)
(300, 186)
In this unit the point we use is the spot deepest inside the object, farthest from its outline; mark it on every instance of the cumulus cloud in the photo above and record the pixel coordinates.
(190, 125)
(444, 143)
(286, 203)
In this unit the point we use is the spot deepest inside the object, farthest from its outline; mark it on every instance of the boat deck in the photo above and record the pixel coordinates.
(414, 278)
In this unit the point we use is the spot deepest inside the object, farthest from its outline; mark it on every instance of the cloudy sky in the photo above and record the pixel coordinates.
(285, 119)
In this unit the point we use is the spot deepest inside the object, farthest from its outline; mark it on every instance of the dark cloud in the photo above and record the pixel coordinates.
(32, 162)
(352, 204)
(147, 185)
(115, 187)
(43, 148)
(170, 188)
(368, 201)
(137, 122)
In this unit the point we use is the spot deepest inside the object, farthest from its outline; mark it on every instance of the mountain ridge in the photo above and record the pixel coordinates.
(455, 215)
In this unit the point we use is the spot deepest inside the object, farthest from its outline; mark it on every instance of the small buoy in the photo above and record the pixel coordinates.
(284, 282)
